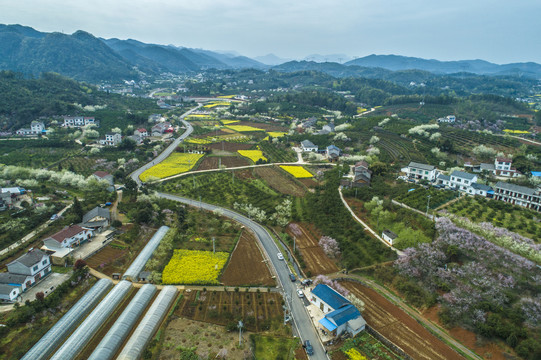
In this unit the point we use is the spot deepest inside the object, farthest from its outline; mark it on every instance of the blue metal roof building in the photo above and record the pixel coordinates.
(329, 296)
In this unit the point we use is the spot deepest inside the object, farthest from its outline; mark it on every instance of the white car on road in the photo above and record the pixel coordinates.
(280, 256)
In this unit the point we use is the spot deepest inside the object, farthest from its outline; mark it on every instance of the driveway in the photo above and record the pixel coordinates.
(45, 286)
(91, 247)
(301, 318)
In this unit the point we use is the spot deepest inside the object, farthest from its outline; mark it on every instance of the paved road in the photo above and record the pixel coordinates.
(29, 236)
(189, 129)
(301, 318)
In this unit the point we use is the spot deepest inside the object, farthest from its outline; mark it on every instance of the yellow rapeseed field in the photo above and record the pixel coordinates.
(227, 122)
(253, 155)
(297, 171)
(176, 163)
(243, 128)
(198, 141)
(194, 267)
(509, 131)
(353, 354)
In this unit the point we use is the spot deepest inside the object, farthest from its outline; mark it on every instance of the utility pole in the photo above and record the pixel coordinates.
(240, 331)
(213, 245)
(294, 243)
(427, 204)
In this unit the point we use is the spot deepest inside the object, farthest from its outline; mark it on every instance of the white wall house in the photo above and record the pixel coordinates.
(462, 180)
(389, 236)
(308, 146)
(20, 281)
(8, 293)
(480, 189)
(36, 128)
(419, 171)
(36, 264)
(111, 139)
(70, 236)
(503, 167)
(447, 119)
(518, 195)
(78, 121)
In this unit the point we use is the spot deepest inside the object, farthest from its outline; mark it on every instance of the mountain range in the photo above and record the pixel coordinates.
(83, 56)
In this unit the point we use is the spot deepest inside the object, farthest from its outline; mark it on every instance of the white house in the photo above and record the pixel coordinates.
(78, 121)
(111, 139)
(20, 281)
(518, 195)
(447, 119)
(37, 127)
(8, 293)
(462, 180)
(34, 263)
(480, 189)
(332, 152)
(417, 170)
(443, 179)
(503, 167)
(308, 146)
(70, 236)
(389, 236)
(141, 132)
(339, 314)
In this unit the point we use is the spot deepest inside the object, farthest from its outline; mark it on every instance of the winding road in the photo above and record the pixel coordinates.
(164, 154)
(300, 316)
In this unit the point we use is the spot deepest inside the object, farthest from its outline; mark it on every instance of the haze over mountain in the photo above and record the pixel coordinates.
(83, 56)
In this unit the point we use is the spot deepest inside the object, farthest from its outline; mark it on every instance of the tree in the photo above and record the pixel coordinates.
(77, 210)
(40, 296)
(131, 186)
(379, 168)
(127, 144)
(79, 264)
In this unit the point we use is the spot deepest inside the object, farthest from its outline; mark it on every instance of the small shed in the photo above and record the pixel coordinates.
(389, 236)
(144, 276)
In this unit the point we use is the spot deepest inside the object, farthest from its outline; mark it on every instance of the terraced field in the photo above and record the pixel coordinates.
(279, 181)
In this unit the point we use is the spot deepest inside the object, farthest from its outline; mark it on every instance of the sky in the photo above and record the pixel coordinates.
(500, 31)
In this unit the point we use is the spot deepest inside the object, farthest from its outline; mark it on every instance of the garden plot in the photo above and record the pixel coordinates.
(280, 182)
(315, 259)
(229, 146)
(398, 327)
(107, 260)
(259, 311)
(208, 339)
(212, 162)
(246, 266)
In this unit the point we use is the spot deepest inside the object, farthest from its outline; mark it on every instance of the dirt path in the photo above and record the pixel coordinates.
(398, 303)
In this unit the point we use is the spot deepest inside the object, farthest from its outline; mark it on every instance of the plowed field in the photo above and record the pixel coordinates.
(311, 183)
(398, 327)
(229, 146)
(105, 260)
(279, 181)
(265, 126)
(212, 162)
(259, 311)
(315, 259)
(246, 266)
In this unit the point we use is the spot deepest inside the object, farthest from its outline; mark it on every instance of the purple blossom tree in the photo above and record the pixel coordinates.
(330, 246)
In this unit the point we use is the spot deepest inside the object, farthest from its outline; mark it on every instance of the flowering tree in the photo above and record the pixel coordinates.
(330, 246)
(322, 279)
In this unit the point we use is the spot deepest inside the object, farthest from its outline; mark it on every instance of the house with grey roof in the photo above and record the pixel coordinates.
(461, 180)
(518, 195)
(480, 189)
(34, 263)
(332, 152)
(21, 281)
(308, 146)
(420, 171)
(8, 293)
(97, 219)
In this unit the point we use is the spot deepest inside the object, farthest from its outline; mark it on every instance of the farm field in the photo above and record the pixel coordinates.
(243, 128)
(208, 339)
(194, 267)
(212, 162)
(232, 147)
(246, 266)
(254, 155)
(265, 126)
(276, 153)
(499, 213)
(297, 171)
(176, 163)
(277, 180)
(35, 153)
(259, 311)
(398, 327)
(418, 198)
(271, 348)
(309, 183)
(315, 259)
(366, 345)
(108, 260)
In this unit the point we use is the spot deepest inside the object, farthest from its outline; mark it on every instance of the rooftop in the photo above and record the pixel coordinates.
(307, 143)
(390, 234)
(330, 296)
(97, 211)
(481, 187)
(101, 174)
(7, 278)
(417, 165)
(343, 315)
(67, 233)
(516, 188)
(30, 258)
(463, 175)
(6, 289)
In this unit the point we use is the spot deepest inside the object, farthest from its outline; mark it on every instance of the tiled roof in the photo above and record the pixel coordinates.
(30, 258)
(417, 165)
(443, 177)
(481, 187)
(390, 234)
(329, 296)
(67, 233)
(463, 175)
(6, 289)
(97, 211)
(343, 314)
(7, 278)
(516, 188)
(307, 143)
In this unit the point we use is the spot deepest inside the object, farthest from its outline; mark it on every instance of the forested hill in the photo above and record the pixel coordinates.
(24, 100)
